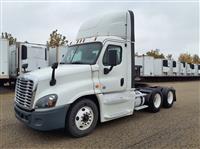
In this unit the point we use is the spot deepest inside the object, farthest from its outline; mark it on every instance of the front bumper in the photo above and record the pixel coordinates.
(43, 120)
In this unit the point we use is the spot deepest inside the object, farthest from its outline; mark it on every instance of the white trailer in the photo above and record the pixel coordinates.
(20, 58)
(175, 68)
(147, 63)
(188, 70)
(192, 68)
(32, 56)
(162, 67)
(182, 66)
(94, 83)
(13, 61)
(4, 60)
(56, 54)
(196, 69)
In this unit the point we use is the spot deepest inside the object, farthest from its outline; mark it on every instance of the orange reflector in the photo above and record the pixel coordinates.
(97, 86)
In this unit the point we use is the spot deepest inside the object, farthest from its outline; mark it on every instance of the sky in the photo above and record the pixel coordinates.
(171, 26)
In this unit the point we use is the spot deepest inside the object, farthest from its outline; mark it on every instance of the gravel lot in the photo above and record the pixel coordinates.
(178, 127)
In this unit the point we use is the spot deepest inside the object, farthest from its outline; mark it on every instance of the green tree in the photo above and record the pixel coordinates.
(155, 53)
(10, 38)
(56, 40)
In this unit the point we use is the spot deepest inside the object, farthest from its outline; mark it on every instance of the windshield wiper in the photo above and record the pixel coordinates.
(76, 63)
(63, 63)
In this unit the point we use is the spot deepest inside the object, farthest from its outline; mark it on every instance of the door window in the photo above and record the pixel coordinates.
(119, 54)
(24, 52)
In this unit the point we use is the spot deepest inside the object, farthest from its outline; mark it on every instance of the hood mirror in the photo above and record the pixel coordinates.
(25, 66)
(53, 80)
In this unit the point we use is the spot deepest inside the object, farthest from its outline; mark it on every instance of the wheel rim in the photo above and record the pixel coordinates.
(84, 118)
(170, 97)
(157, 100)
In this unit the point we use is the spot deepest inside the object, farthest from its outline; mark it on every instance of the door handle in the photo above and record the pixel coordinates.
(121, 81)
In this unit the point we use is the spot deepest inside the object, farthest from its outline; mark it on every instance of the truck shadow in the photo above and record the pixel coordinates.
(7, 89)
(61, 134)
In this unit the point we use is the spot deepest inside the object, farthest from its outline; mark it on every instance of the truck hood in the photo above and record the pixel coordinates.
(62, 70)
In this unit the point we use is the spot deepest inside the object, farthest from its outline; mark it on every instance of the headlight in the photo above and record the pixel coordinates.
(47, 101)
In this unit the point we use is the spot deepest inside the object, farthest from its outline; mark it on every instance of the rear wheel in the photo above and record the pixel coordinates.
(82, 118)
(168, 98)
(155, 101)
(1, 83)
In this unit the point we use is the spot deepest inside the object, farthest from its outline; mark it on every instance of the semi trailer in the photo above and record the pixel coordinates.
(147, 63)
(182, 69)
(162, 67)
(19, 58)
(95, 82)
(188, 69)
(4, 64)
(175, 68)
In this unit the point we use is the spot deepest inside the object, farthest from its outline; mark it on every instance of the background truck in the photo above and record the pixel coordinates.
(34, 56)
(19, 58)
(95, 82)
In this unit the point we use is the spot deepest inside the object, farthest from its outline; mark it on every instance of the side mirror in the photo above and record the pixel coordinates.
(112, 60)
(25, 66)
(54, 66)
(53, 80)
(112, 57)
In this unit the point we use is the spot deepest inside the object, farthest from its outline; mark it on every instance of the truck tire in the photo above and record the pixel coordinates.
(1, 83)
(155, 101)
(82, 118)
(168, 98)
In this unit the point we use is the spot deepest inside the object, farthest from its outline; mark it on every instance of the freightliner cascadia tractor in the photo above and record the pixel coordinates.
(95, 82)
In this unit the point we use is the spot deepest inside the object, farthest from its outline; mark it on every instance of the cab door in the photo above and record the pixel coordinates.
(115, 80)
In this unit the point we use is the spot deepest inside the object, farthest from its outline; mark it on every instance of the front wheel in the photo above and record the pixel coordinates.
(82, 118)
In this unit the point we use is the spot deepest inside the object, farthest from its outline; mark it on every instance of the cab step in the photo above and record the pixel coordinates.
(141, 107)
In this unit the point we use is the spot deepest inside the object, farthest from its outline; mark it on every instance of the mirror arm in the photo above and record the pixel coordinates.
(106, 70)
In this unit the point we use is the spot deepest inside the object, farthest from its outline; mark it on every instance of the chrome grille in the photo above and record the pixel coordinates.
(24, 93)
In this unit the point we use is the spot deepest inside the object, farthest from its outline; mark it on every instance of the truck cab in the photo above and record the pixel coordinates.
(95, 82)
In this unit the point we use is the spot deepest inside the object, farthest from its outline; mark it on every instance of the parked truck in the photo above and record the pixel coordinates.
(19, 58)
(95, 82)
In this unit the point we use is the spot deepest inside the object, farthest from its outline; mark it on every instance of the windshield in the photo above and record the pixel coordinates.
(82, 54)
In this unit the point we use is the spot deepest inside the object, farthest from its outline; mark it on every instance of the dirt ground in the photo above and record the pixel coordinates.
(177, 127)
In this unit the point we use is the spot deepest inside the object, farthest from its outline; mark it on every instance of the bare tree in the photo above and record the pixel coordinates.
(10, 38)
(195, 59)
(155, 53)
(56, 40)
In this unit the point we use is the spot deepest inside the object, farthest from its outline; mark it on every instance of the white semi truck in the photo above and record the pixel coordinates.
(94, 83)
(19, 58)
